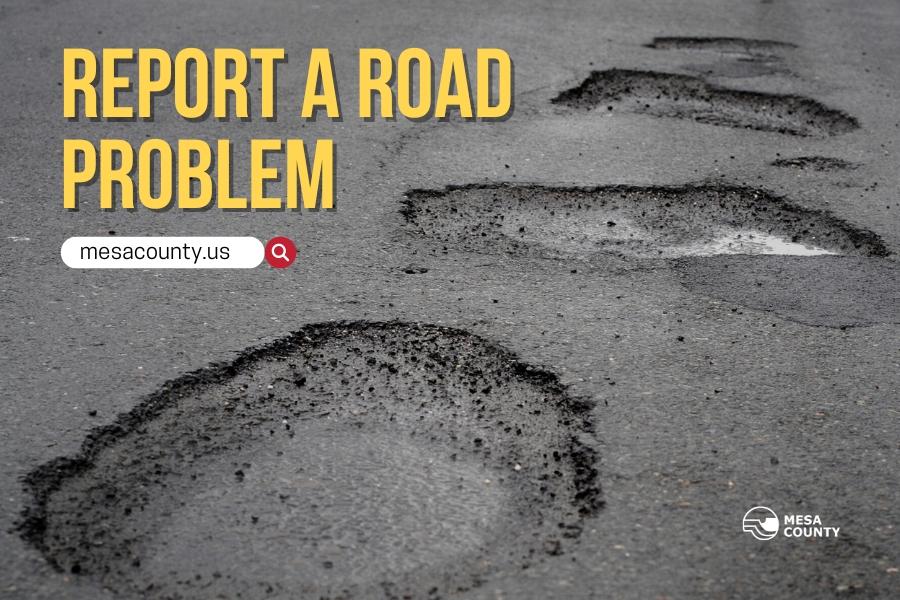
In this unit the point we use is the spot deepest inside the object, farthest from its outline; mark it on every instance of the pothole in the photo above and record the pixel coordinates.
(815, 163)
(346, 460)
(644, 222)
(732, 45)
(687, 97)
(735, 57)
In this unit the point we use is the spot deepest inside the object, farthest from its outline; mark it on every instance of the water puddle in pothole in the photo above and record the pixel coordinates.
(347, 460)
(643, 222)
(743, 241)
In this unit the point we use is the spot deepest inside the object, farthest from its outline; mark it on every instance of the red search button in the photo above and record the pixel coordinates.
(280, 252)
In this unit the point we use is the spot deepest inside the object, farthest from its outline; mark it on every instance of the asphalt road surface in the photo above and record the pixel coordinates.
(531, 359)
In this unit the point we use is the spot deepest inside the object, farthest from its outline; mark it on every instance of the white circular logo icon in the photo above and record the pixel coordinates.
(761, 522)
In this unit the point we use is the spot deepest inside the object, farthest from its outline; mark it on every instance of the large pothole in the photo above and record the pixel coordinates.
(687, 97)
(346, 460)
(645, 222)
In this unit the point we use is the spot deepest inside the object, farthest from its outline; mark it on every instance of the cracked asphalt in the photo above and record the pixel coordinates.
(716, 384)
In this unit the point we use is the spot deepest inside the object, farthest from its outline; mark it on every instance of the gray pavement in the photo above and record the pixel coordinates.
(709, 395)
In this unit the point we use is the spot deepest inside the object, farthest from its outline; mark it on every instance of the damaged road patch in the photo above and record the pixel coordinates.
(829, 291)
(636, 221)
(346, 460)
(693, 98)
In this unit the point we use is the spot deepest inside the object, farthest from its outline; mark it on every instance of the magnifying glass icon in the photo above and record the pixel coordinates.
(280, 252)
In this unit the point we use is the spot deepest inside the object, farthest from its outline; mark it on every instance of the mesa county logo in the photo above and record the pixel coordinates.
(762, 523)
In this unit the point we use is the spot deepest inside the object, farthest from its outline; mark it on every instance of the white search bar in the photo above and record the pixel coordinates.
(162, 252)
